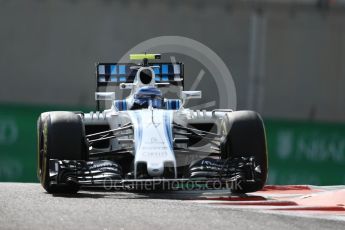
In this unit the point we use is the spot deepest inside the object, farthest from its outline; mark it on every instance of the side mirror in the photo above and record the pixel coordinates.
(104, 96)
(190, 95)
(186, 95)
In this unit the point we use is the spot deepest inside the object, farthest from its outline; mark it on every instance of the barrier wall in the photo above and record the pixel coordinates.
(306, 152)
(299, 152)
(18, 141)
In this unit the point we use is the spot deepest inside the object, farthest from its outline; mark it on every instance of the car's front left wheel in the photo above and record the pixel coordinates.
(245, 137)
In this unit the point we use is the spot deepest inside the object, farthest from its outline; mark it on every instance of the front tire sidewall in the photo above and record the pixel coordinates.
(244, 136)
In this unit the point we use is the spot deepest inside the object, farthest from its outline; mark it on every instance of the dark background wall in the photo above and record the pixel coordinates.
(48, 49)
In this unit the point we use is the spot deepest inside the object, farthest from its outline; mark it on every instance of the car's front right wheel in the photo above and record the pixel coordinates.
(61, 136)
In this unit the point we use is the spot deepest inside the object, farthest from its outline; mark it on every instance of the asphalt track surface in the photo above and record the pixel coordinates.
(28, 206)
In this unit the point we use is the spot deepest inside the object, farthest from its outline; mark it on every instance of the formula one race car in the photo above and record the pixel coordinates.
(147, 139)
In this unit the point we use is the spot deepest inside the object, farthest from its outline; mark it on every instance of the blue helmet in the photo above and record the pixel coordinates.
(147, 94)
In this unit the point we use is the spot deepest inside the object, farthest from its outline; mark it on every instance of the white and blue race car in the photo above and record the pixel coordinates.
(148, 141)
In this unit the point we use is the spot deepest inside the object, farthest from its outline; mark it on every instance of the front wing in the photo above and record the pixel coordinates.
(205, 174)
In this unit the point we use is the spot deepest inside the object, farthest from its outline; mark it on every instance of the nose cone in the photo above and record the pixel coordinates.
(153, 140)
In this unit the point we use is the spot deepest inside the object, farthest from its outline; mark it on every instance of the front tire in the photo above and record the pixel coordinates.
(245, 136)
(61, 135)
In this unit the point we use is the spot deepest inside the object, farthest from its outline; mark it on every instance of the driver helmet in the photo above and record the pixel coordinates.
(146, 95)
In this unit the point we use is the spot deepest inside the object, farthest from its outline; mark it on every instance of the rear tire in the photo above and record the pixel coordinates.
(61, 135)
(244, 134)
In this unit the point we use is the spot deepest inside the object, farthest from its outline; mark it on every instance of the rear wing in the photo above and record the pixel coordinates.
(113, 74)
